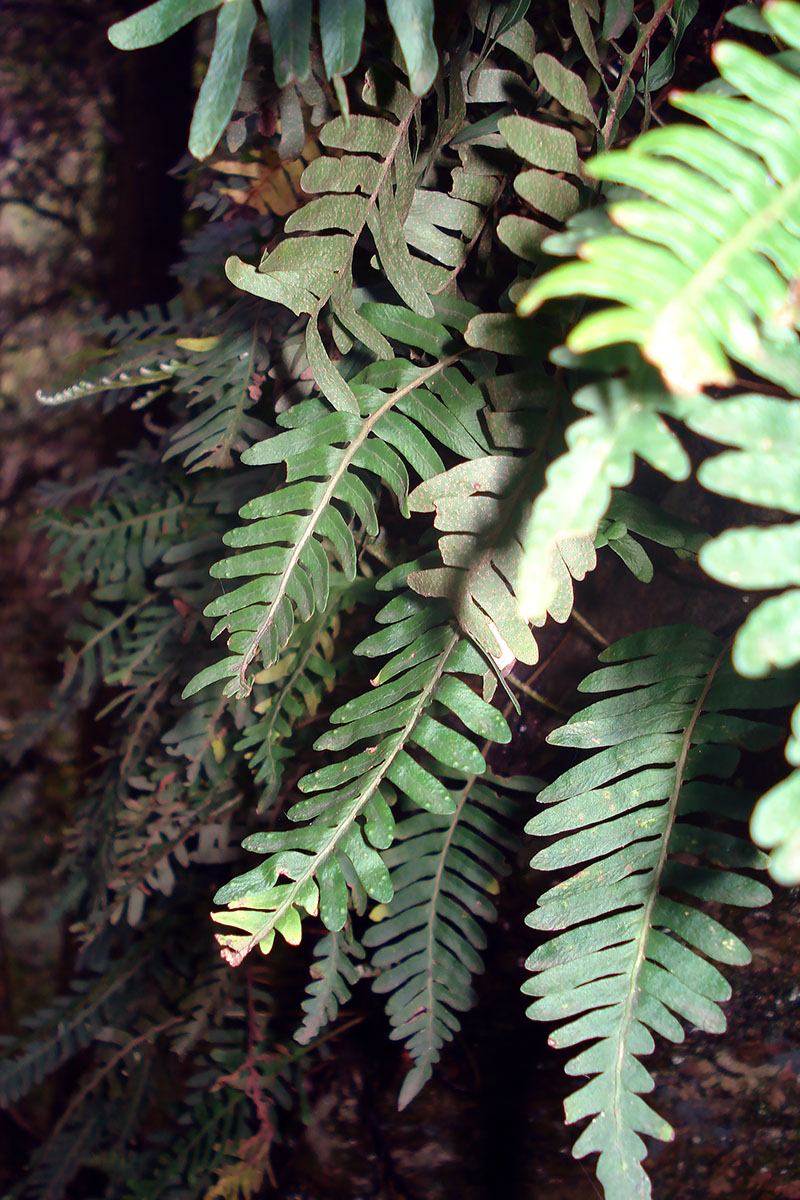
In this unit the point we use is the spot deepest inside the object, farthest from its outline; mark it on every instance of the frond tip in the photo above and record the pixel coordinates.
(633, 954)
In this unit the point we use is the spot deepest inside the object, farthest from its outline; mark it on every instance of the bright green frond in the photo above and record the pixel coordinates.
(703, 266)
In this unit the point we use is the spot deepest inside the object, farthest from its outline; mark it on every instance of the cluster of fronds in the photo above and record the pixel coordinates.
(374, 421)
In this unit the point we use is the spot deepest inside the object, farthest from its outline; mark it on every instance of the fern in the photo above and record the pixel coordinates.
(403, 429)
(62, 1028)
(762, 469)
(427, 943)
(334, 971)
(628, 962)
(368, 186)
(336, 851)
(716, 228)
(296, 527)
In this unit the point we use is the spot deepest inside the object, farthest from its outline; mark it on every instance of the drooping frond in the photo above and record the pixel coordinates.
(762, 467)
(348, 809)
(333, 973)
(404, 408)
(702, 271)
(627, 420)
(641, 812)
(368, 186)
(428, 940)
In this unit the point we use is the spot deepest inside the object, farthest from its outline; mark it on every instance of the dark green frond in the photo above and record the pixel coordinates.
(333, 973)
(635, 818)
(428, 941)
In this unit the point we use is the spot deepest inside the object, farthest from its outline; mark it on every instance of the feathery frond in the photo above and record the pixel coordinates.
(333, 973)
(628, 961)
(428, 940)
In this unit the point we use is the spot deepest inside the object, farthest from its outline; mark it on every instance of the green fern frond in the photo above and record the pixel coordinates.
(349, 809)
(225, 377)
(763, 468)
(702, 270)
(62, 1028)
(112, 545)
(144, 353)
(428, 941)
(333, 973)
(369, 185)
(628, 962)
(627, 420)
(295, 528)
(117, 648)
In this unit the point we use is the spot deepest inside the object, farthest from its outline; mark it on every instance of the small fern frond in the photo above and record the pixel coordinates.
(369, 184)
(366, 187)
(62, 1028)
(224, 373)
(702, 271)
(349, 806)
(112, 545)
(428, 940)
(333, 973)
(762, 467)
(294, 529)
(635, 953)
(144, 353)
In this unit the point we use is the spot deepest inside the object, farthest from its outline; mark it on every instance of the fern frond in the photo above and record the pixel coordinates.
(115, 543)
(702, 270)
(369, 185)
(627, 420)
(62, 1028)
(349, 813)
(144, 353)
(333, 973)
(628, 962)
(225, 377)
(763, 468)
(297, 527)
(428, 941)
